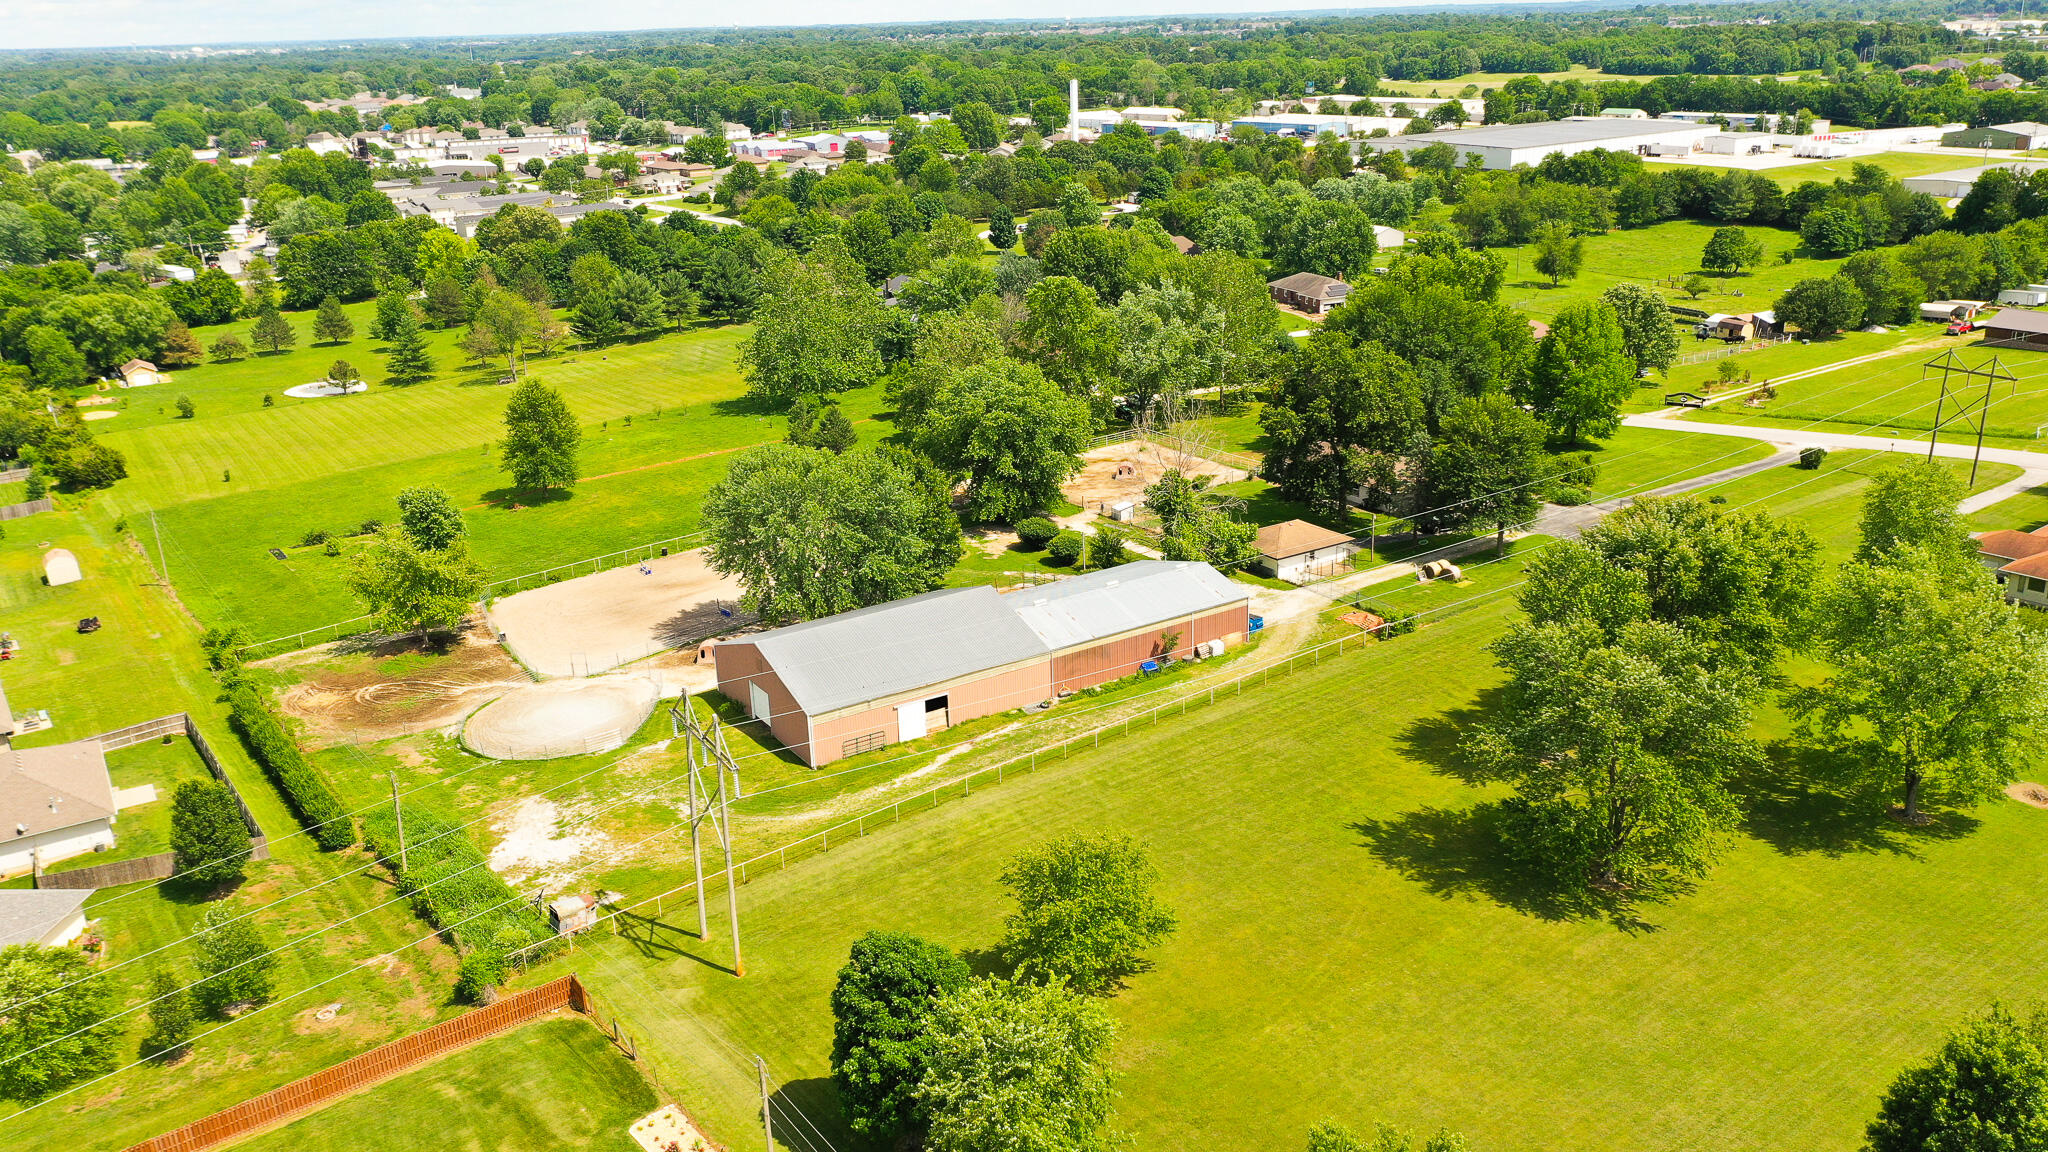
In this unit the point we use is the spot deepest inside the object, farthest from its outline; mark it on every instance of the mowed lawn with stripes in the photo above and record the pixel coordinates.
(1352, 947)
(212, 494)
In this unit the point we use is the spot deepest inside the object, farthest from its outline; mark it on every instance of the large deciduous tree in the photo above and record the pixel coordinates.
(1821, 306)
(1484, 465)
(409, 588)
(1936, 683)
(1582, 373)
(1010, 433)
(430, 519)
(1086, 912)
(816, 322)
(1985, 1090)
(881, 1027)
(541, 439)
(1017, 1067)
(1339, 406)
(1647, 333)
(810, 533)
(53, 1017)
(1730, 250)
(1914, 502)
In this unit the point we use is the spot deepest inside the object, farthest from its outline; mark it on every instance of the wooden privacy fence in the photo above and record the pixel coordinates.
(30, 508)
(163, 864)
(372, 1067)
(10, 475)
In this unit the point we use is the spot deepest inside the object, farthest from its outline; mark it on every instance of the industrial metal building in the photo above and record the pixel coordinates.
(1957, 183)
(876, 676)
(1503, 146)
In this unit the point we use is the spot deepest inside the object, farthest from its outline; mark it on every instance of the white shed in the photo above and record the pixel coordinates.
(61, 567)
(1296, 549)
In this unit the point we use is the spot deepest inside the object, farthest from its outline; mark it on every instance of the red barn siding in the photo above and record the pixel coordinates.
(741, 664)
(1121, 656)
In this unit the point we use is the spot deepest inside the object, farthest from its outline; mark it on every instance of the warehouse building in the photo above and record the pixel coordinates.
(1504, 146)
(865, 679)
(1956, 184)
(2022, 135)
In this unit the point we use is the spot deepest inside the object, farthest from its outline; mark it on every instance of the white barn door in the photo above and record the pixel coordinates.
(757, 703)
(910, 720)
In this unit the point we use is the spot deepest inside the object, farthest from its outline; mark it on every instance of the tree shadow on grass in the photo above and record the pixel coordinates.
(749, 405)
(527, 497)
(1435, 740)
(808, 1110)
(1804, 800)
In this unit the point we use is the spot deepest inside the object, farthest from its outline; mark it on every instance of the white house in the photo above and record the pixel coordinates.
(51, 917)
(55, 803)
(1295, 549)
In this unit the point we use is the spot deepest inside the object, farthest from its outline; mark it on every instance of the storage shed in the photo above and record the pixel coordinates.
(2016, 328)
(1295, 549)
(61, 567)
(860, 680)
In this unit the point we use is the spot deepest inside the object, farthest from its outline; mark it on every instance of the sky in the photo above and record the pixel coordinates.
(184, 23)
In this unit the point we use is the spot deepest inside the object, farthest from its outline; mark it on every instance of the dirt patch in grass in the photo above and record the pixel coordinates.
(351, 701)
(1117, 472)
(2029, 793)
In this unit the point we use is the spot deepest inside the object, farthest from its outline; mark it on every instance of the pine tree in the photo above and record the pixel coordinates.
(445, 303)
(597, 318)
(181, 347)
(209, 842)
(273, 333)
(541, 437)
(834, 431)
(259, 289)
(641, 308)
(406, 360)
(331, 325)
(679, 301)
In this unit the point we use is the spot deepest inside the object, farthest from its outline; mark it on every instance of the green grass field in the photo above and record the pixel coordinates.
(554, 1084)
(1899, 164)
(1662, 256)
(1351, 947)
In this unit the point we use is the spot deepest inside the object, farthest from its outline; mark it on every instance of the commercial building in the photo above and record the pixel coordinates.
(1505, 146)
(1957, 183)
(1292, 124)
(861, 680)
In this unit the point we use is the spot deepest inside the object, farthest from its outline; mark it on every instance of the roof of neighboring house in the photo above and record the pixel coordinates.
(2010, 545)
(1117, 600)
(2035, 565)
(1294, 537)
(1183, 243)
(6, 714)
(53, 787)
(894, 284)
(888, 649)
(1310, 284)
(2018, 320)
(28, 914)
(137, 365)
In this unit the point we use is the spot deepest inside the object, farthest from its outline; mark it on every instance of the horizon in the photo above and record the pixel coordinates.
(62, 25)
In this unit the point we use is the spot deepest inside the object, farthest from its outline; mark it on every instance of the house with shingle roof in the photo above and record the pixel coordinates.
(1293, 549)
(56, 802)
(50, 917)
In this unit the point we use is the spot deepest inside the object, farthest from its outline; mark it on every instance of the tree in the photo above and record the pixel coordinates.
(210, 845)
(109, 328)
(1833, 231)
(342, 373)
(430, 519)
(881, 1027)
(51, 1020)
(1012, 434)
(1915, 503)
(597, 319)
(541, 438)
(259, 288)
(405, 356)
(640, 304)
(679, 302)
(170, 1017)
(185, 407)
(1337, 409)
(445, 303)
(1986, 1089)
(1730, 250)
(1329, 1137)
(1935, 680)
(235, 967)
(500, 325)
(272, 332)
(1559, 252)
(709, 148)
(228, 348)
(412, 589)
(1017, 1067)
(392, 308)
(1647, 333)
(322, 264)
(810, 533)
(1484, 464)
(331, 325)
(181, 347)
(1582, 373)
(1696, 285)
(1068, 335)
(816, 326)
(834, 431)
(1821, 306)
(1085, 912)
(1002, 228)
(53, 360)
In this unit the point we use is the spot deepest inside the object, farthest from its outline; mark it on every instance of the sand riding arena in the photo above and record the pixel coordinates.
(593, 623)
(562, 717)
(1117, 472)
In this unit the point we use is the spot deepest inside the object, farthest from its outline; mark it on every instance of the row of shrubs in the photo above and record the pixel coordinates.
(452, 887)
(304, 788)
(1068, 547)
(317, 536)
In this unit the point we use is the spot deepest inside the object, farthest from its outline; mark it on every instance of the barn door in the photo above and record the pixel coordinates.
(910, 720)
(757, 703)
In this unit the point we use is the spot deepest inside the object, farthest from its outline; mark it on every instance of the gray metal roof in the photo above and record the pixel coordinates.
(1120, 599)
(1548, 133)
(874, 653)
(28, 914)
(884, 652)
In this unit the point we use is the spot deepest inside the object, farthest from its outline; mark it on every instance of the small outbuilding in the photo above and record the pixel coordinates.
(1944, 311)
(1295, 549)
(139, 374)
(61, 567)
(50, 917)
(573, 914)
(2016, 328)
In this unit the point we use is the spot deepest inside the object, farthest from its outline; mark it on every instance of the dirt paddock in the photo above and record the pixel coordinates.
(1117, 472)
(562, 718)
(359, 701)
(592, 623)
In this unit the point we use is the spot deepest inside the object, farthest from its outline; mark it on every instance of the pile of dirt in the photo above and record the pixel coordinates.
(2027, 792)
(353, 704)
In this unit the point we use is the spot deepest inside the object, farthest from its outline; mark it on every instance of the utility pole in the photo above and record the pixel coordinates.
(161, 563)
(732, 893)
(767, 1125)
(697, 812)
(398, 816)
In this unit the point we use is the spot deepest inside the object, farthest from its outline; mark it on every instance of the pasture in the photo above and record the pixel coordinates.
(1352, 947)
(1661, 256)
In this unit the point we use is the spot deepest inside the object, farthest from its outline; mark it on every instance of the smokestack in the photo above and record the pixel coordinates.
(1074, 110)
